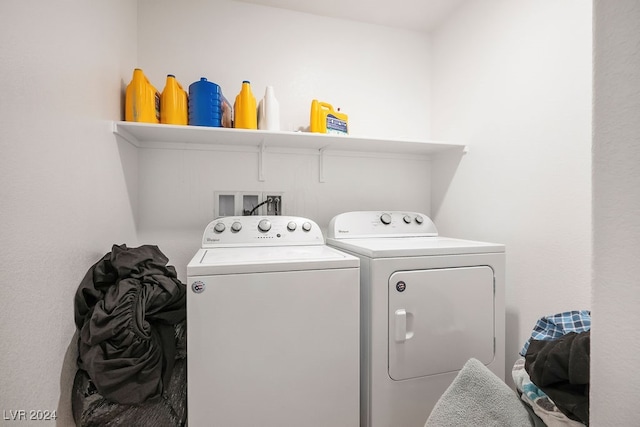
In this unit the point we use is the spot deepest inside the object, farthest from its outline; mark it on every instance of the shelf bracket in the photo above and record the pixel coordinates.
(261, 162)
(321, 165)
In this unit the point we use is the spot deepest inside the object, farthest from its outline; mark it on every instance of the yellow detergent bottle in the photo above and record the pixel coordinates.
(173, 103)
(142, 100)
(244, 109)
(324, 119)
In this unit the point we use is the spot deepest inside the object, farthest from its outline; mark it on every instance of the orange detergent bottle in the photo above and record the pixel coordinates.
(244, 109)
(173, 103)
(142, 101)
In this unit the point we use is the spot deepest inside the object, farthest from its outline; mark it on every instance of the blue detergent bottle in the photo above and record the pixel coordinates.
(205, 104)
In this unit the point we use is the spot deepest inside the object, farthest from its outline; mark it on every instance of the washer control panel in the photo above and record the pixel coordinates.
(365, 224)
(261, 231)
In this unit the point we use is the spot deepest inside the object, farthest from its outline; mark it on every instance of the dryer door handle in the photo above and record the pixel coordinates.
(404, 323)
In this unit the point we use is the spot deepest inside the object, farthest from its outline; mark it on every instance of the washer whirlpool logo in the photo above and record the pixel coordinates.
(198, 287)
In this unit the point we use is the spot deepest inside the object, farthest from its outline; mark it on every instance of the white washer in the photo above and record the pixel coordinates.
(428, 304)
(272, 326)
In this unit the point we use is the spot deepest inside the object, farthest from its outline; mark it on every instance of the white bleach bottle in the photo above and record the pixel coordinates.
(269, 111)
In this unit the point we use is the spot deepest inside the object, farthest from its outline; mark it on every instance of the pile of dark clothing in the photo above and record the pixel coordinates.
(553, 375)
(130, 312)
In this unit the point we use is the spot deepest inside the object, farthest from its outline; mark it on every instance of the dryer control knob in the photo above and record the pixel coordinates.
(291, 226)
(385, 218)
(419, 219)
(264, 225)
(406, 219)
(306, 226)
(219, 227)
(236, 226)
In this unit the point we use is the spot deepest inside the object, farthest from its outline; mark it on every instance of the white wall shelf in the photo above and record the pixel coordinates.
(147, 135)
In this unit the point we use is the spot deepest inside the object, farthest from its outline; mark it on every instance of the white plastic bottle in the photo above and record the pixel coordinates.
(269, 111)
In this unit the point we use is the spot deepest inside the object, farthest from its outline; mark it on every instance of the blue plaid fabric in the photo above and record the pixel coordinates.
(549, 328)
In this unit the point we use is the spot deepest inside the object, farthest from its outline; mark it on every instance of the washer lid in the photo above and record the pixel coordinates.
(391, 247)
(261, 259)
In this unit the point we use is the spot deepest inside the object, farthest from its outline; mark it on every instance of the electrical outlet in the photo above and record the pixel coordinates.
(274, 204)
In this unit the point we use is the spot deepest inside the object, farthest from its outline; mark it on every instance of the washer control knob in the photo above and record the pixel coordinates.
(219, 227)
(236, 226)
(264, 225)
(385, 218)
(291, 226)
(419, 219)
(306, 226)
(406, 219)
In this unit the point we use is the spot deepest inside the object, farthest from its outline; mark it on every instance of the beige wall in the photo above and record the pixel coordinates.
(615, 349)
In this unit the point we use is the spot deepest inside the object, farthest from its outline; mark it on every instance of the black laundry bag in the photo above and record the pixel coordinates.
(130, 312)
(91, 409)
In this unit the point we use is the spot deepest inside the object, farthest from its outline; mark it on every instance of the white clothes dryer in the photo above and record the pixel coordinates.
(272, 326)
(428, 304)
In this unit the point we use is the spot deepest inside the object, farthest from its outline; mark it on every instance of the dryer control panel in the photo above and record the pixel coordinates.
(261, 231)
(365, 224)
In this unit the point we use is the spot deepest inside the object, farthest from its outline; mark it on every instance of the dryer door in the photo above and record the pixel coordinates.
(439, 319)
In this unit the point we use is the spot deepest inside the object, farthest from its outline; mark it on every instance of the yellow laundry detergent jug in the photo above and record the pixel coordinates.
(142, 100)
(244, 109)
(173, 103)
(324, 119)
